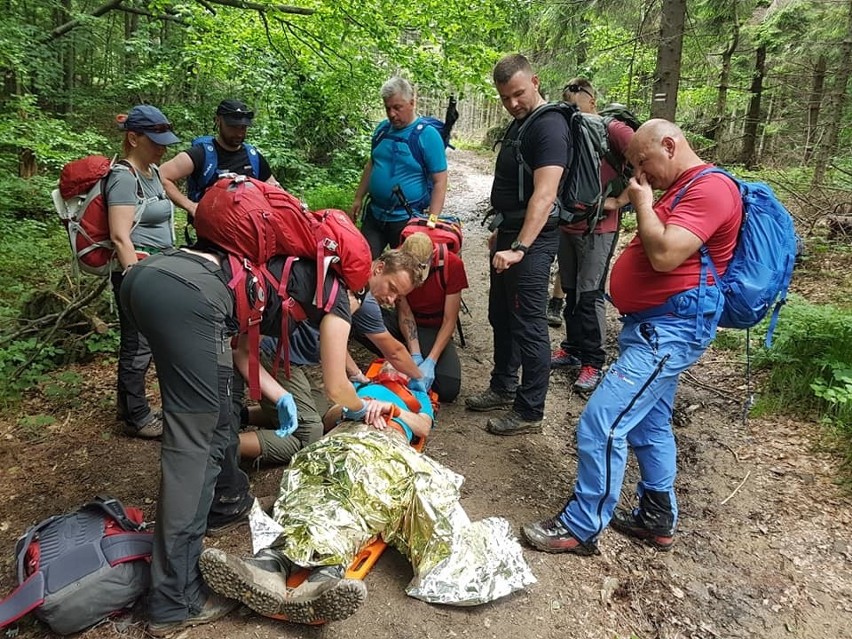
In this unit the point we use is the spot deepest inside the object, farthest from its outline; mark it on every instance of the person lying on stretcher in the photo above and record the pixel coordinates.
(339, 494)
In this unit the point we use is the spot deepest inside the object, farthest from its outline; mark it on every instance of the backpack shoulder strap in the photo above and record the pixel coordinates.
(414, 143)
(211, 160)
(380, 133)
(25, 598)
(254, 159)
(568, 111)
(441, 265)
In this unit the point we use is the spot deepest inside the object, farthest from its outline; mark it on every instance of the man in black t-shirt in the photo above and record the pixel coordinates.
(232, 154)
(522, 248)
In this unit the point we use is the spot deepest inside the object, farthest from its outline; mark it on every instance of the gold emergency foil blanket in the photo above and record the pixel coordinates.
(356, 483)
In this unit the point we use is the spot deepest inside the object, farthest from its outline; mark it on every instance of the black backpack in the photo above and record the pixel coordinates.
(581, 195)
(76, 569)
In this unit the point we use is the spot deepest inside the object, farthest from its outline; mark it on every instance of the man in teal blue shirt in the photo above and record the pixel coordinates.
(407, 153)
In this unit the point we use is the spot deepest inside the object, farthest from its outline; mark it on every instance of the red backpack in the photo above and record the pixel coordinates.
(81, 204)
(253, 221)
(441, 229)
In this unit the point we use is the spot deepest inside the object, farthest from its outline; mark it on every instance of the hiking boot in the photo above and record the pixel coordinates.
(151, 429)
(489, 400)
(214, 608)
(551, 536)
(630, 524)
(554, 311)
(324, 596)
(513, 424)
(259, 582)
(588, 379)
(222, 527)
(563, 359)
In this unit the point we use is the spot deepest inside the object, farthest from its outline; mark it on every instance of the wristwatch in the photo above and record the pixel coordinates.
(517, 246)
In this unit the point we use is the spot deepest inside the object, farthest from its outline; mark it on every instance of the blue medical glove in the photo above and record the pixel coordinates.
(418, 385)
(287, 421)
(427, 368)
(354, 415)
(418, 358)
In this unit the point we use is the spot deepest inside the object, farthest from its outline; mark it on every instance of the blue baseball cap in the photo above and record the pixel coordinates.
(149, 120)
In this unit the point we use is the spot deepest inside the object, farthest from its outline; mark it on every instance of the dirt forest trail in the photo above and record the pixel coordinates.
(763, 548)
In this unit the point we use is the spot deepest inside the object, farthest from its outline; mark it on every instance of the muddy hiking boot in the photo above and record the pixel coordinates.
(631, 524)
(261, 584)
(549, 535)
(152, 428)
(489, 400)
(554, 311)
(513, 424)
(214, 608)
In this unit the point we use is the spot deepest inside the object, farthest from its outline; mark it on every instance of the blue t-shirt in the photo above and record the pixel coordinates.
(304, 339)
(382, 394)
(394, 164)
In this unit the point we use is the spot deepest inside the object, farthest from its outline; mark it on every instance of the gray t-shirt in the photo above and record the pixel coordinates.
(304, 340)
(156, 226)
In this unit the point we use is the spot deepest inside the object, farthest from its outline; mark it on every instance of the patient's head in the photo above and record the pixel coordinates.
(419, 245)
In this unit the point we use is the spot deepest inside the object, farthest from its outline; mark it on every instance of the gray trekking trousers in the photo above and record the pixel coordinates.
(182, 306)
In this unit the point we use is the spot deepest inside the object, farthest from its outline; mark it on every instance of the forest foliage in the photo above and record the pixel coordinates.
(763, 84)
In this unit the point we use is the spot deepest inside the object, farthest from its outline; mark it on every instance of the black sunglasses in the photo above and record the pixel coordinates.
(157, 128)
(240, 114)
(576, 88)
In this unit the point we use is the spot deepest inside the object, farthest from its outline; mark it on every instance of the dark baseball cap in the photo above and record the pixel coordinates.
(149, 120)
(235, 113)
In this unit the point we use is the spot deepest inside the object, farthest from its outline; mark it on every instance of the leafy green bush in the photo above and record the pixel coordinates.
(808, 367)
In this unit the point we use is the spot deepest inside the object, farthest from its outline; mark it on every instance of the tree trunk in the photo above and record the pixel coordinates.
(814, 102)
(752, 121)
(718, 126)
(669, 52)
(836, 105)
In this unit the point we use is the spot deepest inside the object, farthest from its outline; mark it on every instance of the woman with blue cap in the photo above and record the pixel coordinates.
(141, 222)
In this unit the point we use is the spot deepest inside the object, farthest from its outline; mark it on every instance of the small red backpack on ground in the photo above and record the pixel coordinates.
(81, 204)
(253, 221)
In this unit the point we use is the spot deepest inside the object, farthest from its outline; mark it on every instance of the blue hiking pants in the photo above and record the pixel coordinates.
(633, 405)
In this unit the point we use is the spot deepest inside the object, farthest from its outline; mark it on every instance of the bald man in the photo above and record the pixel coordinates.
(670, 307)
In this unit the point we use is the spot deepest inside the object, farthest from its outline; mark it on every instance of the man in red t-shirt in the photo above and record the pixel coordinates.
(584, 257)
(670, 306)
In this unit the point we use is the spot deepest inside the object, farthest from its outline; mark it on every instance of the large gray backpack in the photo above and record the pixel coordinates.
(76, 569)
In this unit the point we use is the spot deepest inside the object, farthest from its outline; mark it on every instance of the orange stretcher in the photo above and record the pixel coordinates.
(367, 558)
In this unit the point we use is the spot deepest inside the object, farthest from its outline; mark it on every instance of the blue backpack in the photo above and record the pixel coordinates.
(385, 132)
(195, 187)
(761, 268)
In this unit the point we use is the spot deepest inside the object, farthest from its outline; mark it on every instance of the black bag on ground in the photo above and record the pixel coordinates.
(76, 569)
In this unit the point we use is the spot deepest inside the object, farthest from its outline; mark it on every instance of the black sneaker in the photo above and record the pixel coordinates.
(214, 608)
(560, 358)
(628, 523)
(513, 424)
(554, 311)
(489, 400)
(551, 536)
(222, 527)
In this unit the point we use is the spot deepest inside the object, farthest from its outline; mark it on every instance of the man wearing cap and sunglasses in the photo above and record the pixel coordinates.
(210, 156)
